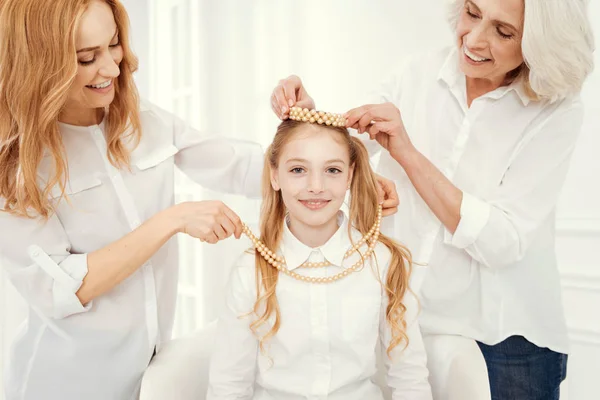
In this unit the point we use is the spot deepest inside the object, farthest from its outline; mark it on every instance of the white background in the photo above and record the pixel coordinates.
(215, 62)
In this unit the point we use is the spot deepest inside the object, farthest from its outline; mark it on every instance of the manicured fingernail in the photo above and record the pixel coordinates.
(290, 102)
(283, 109)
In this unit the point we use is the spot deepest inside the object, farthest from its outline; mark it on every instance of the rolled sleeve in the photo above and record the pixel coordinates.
(499, 231)
(474, 215)
(39, 263)
(67, 279)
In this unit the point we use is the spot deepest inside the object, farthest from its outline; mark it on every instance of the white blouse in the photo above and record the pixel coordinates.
(65, 351)
(326, 345)
(497, 275)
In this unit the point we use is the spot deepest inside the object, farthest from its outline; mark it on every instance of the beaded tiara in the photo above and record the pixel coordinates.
(317, 117)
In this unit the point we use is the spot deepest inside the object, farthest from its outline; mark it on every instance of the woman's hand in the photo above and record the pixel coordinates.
(209, 221)
(289, 93)
(388, 196)
(383, 123)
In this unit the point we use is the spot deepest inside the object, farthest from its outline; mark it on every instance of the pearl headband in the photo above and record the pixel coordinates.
(317, 117)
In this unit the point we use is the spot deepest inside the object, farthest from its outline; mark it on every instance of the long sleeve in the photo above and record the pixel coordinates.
(407, 374)
(40, 265)
(219, 163)
(500, 230)
(233, 363)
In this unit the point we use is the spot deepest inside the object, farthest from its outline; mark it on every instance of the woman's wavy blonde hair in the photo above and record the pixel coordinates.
(38, 65)
(363, 214)
(558, 47)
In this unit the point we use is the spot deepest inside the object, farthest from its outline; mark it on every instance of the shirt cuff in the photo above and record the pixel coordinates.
(67, 277)
(474, 215)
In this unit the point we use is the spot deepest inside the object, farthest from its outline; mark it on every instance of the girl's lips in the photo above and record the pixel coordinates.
(314, 204)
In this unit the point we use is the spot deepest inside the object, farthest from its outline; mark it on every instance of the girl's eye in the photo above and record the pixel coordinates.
(334, 170)
(297, 170)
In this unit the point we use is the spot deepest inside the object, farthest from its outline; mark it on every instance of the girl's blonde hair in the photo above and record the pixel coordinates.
(38, 65)
(363, 214)
(557, 43)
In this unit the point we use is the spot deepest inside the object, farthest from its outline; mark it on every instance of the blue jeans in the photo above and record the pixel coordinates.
(519, 370)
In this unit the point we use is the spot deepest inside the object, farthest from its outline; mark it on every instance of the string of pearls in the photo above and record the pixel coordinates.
(278, 262)
(318, 117)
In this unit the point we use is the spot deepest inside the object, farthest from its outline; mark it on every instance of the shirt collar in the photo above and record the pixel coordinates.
(296, 253)
(64, 127)
(451, 74)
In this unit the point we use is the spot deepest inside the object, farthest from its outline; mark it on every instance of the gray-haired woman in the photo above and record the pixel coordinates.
(478, 140)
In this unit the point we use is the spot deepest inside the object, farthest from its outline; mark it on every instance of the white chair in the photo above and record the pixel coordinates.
(457, 369)
(180, 370)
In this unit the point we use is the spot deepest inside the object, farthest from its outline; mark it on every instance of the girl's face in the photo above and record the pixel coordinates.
(313, 174)
(99, 54)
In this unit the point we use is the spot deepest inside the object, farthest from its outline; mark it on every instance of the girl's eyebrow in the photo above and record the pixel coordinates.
(302, 160)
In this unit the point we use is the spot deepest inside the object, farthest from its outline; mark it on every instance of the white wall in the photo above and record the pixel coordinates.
(139, 15)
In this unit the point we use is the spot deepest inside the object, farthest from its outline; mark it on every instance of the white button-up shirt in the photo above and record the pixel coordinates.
(497, 275)
(66, 351)
(326, 345)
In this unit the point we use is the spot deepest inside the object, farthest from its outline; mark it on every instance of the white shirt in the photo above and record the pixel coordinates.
(326, 344)
(69, 352)
(497, 275)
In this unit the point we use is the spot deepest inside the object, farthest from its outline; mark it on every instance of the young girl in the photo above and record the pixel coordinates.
(306, 308)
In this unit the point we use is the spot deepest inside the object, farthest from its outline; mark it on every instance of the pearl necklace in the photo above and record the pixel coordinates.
(278, 262)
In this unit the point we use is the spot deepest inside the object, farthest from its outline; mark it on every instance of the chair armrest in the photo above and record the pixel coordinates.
(180, 369)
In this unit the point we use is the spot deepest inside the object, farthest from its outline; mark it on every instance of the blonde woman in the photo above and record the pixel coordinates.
(86, 183)
(308, 325)
(478, 138)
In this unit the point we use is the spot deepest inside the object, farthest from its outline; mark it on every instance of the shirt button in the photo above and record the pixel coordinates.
(33, 251)
(136, 223)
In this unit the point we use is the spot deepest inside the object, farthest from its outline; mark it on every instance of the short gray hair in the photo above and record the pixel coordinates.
(558, 46)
